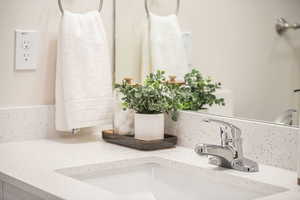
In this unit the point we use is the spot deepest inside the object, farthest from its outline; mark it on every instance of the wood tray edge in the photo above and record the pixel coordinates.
(170, 141)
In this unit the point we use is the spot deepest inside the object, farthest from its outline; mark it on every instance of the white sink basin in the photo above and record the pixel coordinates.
(161, 179)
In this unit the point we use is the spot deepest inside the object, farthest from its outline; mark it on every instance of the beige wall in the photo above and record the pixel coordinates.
(35, 87)
(234, 41)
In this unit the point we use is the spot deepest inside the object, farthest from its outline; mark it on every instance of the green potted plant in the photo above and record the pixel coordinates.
(149, 101)
(157, 96)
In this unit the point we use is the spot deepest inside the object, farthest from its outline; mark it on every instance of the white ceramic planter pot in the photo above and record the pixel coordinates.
(149, 126)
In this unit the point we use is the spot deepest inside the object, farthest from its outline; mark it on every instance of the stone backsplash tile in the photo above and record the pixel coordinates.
(26, 123)
(266, 143)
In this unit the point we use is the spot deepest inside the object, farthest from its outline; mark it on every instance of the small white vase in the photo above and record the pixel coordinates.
(149, 126)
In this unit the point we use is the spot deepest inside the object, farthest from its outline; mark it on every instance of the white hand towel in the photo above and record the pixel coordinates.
(163, 47)
(83, 73)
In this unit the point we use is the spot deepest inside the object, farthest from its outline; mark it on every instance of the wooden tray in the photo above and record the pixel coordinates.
(129, 141)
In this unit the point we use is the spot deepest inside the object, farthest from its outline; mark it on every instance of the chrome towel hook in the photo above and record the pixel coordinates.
(148, 10)
(282, 26)
(61, 8)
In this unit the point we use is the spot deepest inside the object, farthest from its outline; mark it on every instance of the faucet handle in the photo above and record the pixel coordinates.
(235, 131)
(235, 134)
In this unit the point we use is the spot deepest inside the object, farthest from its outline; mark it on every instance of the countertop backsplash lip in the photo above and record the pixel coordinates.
(266, 143)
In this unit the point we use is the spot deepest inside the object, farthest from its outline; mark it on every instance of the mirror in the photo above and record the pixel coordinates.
(234, 43)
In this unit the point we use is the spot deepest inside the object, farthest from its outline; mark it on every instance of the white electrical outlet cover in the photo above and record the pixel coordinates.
(187, 40)
(26, 49)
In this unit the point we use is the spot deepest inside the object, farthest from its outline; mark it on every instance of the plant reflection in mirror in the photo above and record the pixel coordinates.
(198, 92)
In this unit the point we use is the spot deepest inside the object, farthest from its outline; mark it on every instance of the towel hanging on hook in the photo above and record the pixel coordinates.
(62, 9)
(148, 10)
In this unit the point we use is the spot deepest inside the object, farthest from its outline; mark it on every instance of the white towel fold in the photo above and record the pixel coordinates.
(83, 73)
(163, 47)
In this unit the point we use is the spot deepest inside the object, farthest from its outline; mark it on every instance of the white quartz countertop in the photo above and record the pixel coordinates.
(31, 166)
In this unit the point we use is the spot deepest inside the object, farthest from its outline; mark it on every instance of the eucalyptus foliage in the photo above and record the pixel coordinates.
(198, 92)
(156, 95)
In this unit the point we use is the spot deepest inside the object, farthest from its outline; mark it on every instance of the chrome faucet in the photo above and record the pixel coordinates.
(230, 153)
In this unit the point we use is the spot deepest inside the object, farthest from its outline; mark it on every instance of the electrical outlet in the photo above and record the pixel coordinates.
(26, 49)
(188, 41)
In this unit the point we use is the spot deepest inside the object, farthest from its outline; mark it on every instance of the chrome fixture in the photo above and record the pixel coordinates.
(287, 117)
(282, 26)
(61, 8)
(230, 153)
(148, 10)
(75, 131)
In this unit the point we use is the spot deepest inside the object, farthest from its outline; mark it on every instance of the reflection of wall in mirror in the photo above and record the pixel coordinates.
(234, 42)
(228, 109)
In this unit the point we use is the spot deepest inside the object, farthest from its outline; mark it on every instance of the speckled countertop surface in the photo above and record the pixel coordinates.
(31, 166)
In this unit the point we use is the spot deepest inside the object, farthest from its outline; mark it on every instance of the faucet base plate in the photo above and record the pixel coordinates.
(245, 165)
